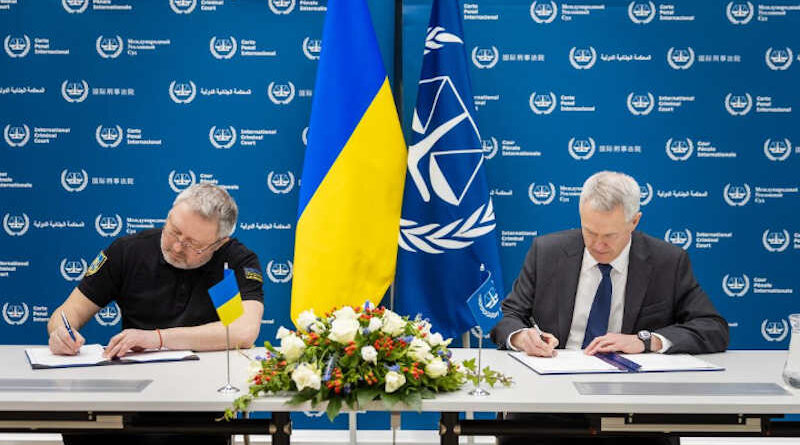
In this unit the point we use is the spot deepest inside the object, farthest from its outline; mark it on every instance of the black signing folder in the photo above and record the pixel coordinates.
(92, 355)
(576, 362)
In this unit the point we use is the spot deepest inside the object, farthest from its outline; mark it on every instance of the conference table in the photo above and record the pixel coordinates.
(181, 397)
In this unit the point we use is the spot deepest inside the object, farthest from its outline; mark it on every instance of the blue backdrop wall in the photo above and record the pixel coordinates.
(110, 107)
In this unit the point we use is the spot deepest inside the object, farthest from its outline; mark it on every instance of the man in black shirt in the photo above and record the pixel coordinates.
(160, 279)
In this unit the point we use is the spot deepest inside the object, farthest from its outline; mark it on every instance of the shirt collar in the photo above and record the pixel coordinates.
(620, 263)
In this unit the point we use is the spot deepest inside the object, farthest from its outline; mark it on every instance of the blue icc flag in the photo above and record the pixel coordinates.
(484, 304)
(447, 229)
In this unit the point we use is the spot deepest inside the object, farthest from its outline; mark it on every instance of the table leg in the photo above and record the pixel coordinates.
(282, 428)
(447, 430)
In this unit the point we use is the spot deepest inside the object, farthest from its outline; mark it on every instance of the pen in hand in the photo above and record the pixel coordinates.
(541, 334)
(69, 328)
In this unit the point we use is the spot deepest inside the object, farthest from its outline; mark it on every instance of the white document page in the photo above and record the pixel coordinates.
(565, 362)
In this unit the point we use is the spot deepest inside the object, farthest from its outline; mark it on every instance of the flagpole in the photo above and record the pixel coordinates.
(478, 391)
(228, 388)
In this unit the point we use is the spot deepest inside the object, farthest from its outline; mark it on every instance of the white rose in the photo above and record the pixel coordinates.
(305, 376)
(253, 368)
(394, 380)
(436, 368)
(435, 339)
(292, 347)
(282, 332)
(393, 324)
(306, 319)
(345, 313)
(375, 323)
(344, 330)
(419, 350)
(369, 354)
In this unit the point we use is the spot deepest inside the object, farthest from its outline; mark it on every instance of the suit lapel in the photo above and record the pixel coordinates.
(639, 269)
(567, 273)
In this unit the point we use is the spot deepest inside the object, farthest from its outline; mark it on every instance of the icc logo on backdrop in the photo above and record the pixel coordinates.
(777, 149)
(641, 13)
(736, 195)
(182, 92)
(489, 147)
(680, 58)
(739, 13)
(281, 7)
(581, 149)
(582, 58)
(74, 91)
(180, 181)
(75, 6)
(738, 104)
(108, 226)
(16, 135)
(543, 103)
(641, 104)
(544, 11)
(735, 285)
(17, 46)
(108, 137)
(109, 47)
(280, 183)
(222, 137)
(679, 149)
(542, 194)
(774, 331)
(279, 272)
(312, 48)
(680, 238)
(280, 93)
(15, 314)
(485, 57)
(182, 6)
(74, 180)
(776, 240)
(223, 48)
(16, 225)
(72, 269)
(645, 194)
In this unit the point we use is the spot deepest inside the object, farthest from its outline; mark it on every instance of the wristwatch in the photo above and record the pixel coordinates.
(645, 337)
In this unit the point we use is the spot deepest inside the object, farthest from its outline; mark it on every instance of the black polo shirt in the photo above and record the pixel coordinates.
(153, 294)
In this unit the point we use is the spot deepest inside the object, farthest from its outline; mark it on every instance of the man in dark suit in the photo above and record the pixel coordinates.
(606, 287)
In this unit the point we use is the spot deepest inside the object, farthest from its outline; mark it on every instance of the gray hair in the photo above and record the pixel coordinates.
(606, 190)
(213, 203)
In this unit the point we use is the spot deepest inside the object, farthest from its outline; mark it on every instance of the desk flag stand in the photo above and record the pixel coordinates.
(478, 391)
(228, 302)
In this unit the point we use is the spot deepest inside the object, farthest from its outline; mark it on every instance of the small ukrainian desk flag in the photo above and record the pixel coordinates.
(352, 185)
(227, 299)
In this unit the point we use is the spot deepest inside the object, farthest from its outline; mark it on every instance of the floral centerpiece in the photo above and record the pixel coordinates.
(355, 355)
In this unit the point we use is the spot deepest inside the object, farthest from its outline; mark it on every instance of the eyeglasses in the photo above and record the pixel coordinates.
(177, 238)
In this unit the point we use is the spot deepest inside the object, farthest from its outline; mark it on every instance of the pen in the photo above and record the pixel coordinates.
(66, 325)
(536, 327)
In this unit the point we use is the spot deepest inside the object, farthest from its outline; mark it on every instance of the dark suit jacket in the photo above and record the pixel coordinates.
(661, 294)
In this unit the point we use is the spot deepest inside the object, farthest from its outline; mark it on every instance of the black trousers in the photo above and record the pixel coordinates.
(574, 421)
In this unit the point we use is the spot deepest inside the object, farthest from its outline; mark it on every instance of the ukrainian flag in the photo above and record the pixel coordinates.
(352, 183)
(226, 298)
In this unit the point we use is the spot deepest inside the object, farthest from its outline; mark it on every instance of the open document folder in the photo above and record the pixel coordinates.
(576, 362)
(92, 355)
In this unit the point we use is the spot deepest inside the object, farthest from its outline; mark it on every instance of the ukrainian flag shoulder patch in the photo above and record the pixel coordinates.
(253, 274)
(97, 263)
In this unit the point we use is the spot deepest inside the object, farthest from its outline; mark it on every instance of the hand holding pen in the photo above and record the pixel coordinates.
(535, 342)
(64, 340)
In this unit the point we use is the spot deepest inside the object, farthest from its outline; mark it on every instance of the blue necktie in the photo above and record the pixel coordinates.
(597, 324)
